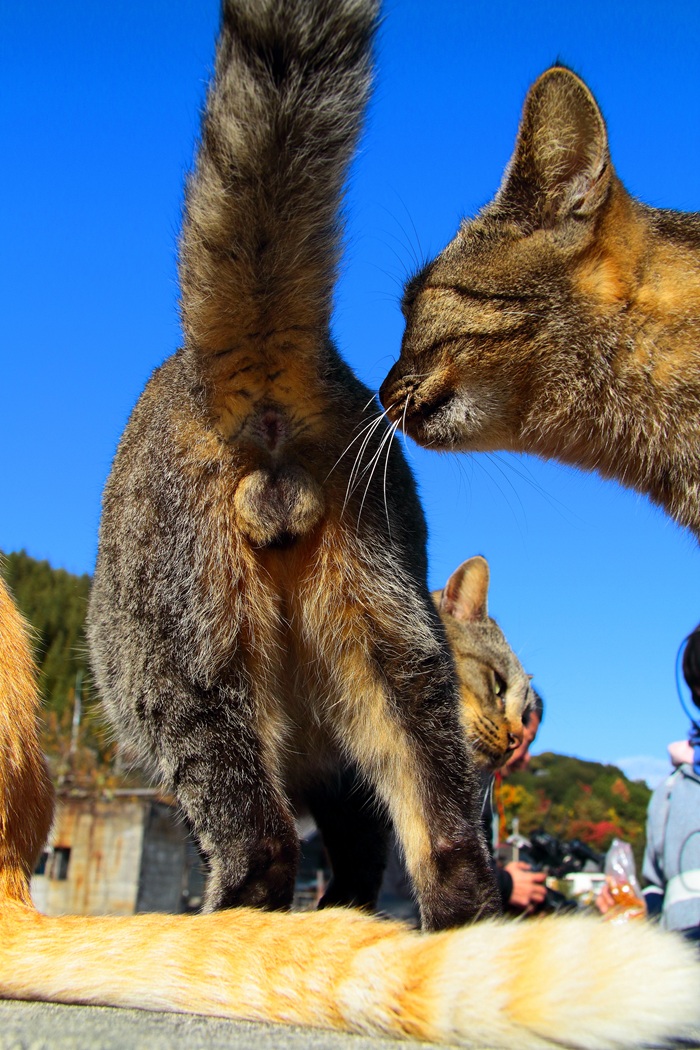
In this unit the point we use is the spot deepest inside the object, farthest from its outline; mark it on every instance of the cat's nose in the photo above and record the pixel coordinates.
(392, 393)
(514, 740)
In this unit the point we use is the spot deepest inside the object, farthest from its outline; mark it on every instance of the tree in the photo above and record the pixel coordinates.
(573, 798)
(54, 602)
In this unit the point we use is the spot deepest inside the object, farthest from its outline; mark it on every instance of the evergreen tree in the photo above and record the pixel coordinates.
(54, 602)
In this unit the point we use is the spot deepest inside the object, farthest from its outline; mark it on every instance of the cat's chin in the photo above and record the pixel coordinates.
(456, 426)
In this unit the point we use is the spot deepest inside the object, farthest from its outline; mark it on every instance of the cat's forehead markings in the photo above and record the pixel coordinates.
(478, 317)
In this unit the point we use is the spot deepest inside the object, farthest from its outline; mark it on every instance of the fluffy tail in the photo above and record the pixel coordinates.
(555, 982)
(26, 795)
(261, 231)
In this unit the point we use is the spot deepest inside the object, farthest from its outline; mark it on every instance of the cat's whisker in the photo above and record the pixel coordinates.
(372, 465)
(403, 424)
(398, 279)
(517, 467)
(419, 259)
(386, 468)
(517, 518)
(358, 437)
(374, 456)
(419, 256)
(385, 441)
(355, 472)
(369, 466)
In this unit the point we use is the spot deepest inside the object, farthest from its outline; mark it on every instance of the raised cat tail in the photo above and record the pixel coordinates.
(26, 794)
(261, 232)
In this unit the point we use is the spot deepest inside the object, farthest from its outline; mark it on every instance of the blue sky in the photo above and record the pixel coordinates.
(99, 109)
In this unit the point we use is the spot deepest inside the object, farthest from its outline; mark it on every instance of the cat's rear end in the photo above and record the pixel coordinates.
(260, 624)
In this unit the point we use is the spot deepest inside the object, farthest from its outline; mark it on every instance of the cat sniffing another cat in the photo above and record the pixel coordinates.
(564, 320)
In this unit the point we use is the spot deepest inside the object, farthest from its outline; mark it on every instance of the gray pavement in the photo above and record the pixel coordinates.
(49, 1026)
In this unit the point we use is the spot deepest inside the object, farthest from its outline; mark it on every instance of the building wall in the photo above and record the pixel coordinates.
(94, 862)
(121, 855)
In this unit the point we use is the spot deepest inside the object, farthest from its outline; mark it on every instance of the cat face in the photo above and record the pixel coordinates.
(499, 327)
(494, 689)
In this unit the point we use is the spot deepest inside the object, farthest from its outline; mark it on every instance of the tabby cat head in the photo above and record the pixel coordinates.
(508, 321)
(495, 690)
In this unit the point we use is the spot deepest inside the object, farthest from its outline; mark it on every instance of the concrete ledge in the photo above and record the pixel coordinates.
(50, 1026)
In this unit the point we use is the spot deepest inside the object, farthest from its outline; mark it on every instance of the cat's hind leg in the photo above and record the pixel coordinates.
(404, 733)
(211, 755)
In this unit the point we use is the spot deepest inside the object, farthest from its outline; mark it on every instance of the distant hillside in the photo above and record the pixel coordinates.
(572, 798)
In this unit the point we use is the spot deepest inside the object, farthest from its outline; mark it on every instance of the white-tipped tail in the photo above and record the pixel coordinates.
(557, 982)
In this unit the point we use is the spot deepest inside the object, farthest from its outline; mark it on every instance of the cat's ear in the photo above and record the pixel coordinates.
(561, 165)
(465, 596)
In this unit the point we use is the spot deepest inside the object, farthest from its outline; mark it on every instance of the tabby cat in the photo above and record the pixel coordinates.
(494, 688)
(533, 985)
(563, 320)
(260, 624)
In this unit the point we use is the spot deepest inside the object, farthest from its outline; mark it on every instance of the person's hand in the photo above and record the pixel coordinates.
(622, 897)
(529, 889)
(605, 900)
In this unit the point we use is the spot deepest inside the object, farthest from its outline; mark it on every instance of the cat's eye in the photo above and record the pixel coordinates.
(499, 685)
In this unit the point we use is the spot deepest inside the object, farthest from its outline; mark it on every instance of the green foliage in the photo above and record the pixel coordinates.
(55, 604)
(572, 798)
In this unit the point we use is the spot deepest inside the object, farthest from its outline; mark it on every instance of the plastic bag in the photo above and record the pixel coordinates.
(621, 878)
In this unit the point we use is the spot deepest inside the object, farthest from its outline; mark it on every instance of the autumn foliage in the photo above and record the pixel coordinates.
(572, 798)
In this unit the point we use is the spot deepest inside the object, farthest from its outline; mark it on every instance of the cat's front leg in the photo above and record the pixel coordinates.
(211, 756)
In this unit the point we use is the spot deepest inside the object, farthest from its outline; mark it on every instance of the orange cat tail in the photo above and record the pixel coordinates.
(26, 794)
(557, 982)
